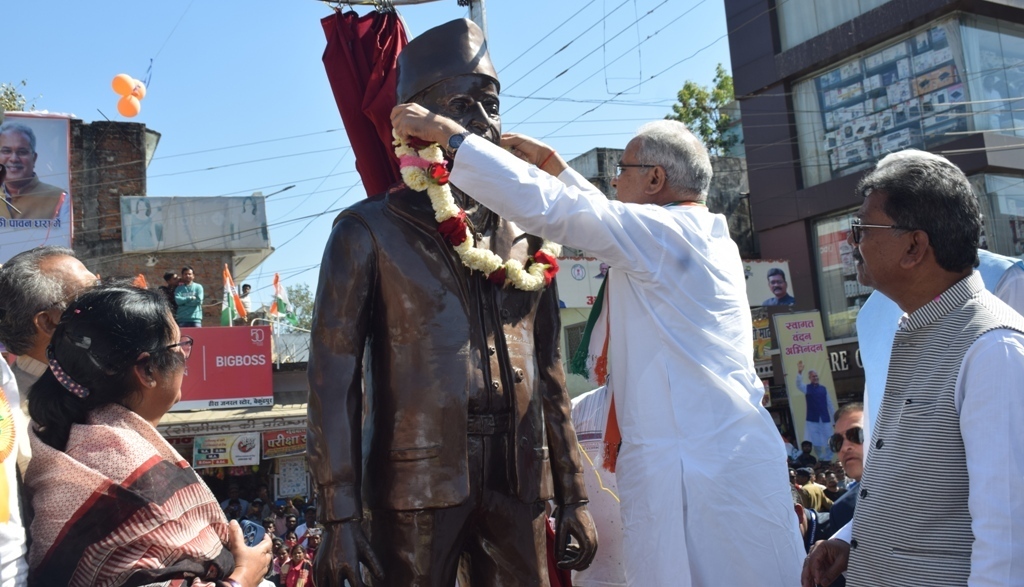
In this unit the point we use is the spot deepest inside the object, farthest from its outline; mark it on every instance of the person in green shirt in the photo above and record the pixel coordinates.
(189, 297)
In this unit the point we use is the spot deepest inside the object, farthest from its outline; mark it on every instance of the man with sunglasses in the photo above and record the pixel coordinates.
(848, 444)
(952, 388)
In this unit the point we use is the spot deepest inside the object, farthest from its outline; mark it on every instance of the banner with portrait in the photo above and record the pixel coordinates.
(34, 150)
(808, 376)
(152, 223)
(768, 282)
(579, 280)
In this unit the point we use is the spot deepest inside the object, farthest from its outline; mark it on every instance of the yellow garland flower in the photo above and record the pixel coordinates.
(445, 208)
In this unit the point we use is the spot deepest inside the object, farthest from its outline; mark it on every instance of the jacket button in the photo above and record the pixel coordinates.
(479, 236)
(495, 385)
(505, 313)
(863, 493)
(879, 443)
(853, 543)
(519, 375)
(523, 442)
(491, 350)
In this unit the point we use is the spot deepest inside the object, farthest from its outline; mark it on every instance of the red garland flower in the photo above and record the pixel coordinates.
(498, 276)
(552, 262)
(418, 143)
(439, 172)
(454, 229)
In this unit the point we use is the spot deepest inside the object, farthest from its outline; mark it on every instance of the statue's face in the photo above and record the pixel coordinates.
(470, 100)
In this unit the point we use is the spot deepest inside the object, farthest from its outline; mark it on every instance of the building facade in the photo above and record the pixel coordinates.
(828, 88)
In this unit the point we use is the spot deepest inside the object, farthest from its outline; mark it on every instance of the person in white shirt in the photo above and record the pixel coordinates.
(951, 404)
(13, 429)
(681, 373)
(589, 417)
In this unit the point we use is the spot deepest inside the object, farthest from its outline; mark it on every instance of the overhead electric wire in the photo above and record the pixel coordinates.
(566, 70)
(604, 67)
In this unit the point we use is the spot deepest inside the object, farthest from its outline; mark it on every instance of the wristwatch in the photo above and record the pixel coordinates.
(455, 141)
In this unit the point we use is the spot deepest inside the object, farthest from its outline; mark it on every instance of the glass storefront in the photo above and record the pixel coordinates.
(841, 294)
(909, 93)
(952, 77)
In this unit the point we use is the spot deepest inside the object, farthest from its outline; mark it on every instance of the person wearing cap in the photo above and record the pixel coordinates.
(812, 495)
(469, 432)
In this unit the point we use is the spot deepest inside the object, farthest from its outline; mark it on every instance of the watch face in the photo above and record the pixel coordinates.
(455, 141)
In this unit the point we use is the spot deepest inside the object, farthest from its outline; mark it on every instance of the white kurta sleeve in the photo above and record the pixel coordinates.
(991, 410)
(626, 236)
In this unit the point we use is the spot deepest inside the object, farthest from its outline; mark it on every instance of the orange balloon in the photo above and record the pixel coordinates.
(123, 84)
(139, 89)
(129, 106)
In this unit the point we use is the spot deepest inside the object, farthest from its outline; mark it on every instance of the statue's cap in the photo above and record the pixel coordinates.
(452, 49)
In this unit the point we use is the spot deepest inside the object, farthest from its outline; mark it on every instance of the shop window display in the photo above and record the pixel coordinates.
(909, 93)
(841, 294)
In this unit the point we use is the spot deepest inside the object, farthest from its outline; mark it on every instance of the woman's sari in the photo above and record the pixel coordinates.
(119, 506)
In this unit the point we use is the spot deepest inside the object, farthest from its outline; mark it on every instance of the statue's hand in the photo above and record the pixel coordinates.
(574, 520)
(344, 546)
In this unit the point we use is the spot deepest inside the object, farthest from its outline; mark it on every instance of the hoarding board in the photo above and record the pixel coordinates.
(151, 223)
(37, 203)
(226, 450)
(230, 367)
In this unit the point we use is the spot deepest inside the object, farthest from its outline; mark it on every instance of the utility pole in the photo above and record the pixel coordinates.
(478, 14)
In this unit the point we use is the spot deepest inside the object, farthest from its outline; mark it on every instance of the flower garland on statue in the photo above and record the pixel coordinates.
(424, 169)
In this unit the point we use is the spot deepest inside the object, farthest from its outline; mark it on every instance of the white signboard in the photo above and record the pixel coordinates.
(292, 479)
(579, 279)
(193, 224)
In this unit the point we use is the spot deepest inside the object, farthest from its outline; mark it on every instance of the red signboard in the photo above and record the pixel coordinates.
(284, 443)
(230, 367)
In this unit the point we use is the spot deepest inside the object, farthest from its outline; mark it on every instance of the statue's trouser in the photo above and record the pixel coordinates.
(503, 538)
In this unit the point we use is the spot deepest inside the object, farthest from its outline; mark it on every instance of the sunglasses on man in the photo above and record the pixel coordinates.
(854, 435)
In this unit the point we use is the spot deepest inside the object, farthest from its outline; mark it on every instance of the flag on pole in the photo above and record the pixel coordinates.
(140, 282)
(231, 306)
(281, 306)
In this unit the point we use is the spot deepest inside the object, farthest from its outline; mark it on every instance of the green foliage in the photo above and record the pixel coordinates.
(301, 299)
(702, 110)
(11, 98)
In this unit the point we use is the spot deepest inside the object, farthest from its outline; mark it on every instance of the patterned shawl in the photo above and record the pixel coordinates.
(121, 507)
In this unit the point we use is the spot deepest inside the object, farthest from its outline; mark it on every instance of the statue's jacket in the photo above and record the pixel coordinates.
(403, 336)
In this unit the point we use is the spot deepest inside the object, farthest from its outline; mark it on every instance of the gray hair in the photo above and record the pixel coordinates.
(23, 129)
(927, 192)
(670, 144)
(26, 290)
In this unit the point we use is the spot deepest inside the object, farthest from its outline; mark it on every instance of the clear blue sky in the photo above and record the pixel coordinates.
(238, 72)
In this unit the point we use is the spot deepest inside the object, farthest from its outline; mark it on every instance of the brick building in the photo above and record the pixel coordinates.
(108, 160)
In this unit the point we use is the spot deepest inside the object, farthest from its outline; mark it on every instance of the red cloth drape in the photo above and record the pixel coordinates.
(360, 60)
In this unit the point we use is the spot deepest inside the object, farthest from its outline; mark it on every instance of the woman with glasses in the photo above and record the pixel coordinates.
(114, 503)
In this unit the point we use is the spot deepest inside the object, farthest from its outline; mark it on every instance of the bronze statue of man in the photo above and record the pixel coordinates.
(437, 398)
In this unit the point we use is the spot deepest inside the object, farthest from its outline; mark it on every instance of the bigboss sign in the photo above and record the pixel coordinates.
(229, 368)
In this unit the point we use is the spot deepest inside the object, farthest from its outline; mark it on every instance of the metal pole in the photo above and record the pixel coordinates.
(478, 14)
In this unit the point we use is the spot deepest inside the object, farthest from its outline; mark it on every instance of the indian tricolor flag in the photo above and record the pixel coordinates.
(282, 308)
(231, 306)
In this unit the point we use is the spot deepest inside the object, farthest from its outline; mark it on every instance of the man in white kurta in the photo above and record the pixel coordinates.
(680, 356)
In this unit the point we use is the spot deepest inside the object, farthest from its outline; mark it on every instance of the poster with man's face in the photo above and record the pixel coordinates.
(36, 207)
(768, 283)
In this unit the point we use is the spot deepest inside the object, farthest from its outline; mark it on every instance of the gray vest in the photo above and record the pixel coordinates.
(906, 533)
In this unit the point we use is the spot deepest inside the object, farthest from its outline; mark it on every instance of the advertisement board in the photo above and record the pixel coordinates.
(579, 279)
(768, 290)
(230, 367)
(153, 223)
(284, 443)
(38, 211)
(226, 450)
(292, 479)
(808, 375)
